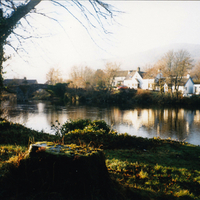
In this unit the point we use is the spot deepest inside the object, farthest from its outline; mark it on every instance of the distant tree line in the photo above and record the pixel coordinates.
(85, 77)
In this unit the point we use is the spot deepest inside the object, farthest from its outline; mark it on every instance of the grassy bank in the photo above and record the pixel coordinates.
(143, 169)
(112, 96)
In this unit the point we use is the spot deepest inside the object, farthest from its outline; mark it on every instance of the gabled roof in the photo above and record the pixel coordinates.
(185, 80)
(121, 73)
(141, 73)
(130, 75)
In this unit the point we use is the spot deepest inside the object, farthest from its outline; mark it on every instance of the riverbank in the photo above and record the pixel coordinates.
(140, 168)
(118, 97)
(60, 93)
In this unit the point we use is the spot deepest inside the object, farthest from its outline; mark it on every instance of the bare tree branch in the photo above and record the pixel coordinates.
(11, 13)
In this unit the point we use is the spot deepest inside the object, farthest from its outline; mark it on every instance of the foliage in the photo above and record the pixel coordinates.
(86, 125)
(58, 89)
(42, 95)
(140, 168)
(143, 97)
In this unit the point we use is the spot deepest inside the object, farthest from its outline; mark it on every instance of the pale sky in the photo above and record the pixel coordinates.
(144, 25)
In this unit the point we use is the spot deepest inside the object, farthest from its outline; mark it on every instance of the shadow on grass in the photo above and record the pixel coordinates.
(156, 151)
(131, 193)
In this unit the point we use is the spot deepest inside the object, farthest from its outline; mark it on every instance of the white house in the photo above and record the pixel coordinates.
(189, 86)
(185, 86)
(135, 80)
(119, 77)
(132, 83)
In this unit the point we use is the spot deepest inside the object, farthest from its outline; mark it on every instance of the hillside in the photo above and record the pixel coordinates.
(151, 56)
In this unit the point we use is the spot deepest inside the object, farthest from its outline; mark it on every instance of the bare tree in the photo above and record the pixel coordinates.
(99, 79)
(110, 72)
(82, 76)
(11, 13)
(175, 66)
(53, 76)
(195, 73)
(155, 72)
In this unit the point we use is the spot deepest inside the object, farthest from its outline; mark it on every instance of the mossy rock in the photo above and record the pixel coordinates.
(70, 171)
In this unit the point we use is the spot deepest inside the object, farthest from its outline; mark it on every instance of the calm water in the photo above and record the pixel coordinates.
(180, 124)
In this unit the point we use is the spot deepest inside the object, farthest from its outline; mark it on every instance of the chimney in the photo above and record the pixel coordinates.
(129, 71)
(138, 69)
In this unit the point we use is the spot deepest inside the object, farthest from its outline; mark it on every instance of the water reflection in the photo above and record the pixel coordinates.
(175, 123)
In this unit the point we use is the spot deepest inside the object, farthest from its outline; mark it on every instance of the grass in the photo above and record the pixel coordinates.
(143, 169)
(161, 173)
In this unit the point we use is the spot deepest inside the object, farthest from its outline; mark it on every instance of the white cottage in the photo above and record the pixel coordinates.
(188, 88)
(119, 77)
(134, 79)
(185, 86)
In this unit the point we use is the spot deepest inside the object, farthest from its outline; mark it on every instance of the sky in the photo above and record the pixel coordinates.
(65, 42)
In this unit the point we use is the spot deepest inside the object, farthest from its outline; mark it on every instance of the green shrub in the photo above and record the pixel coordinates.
(74, 124)
(84, 124)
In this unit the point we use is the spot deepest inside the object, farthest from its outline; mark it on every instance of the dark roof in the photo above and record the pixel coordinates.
(18, 81)
(183, 82)
(129, 76)
(121, 73)
(141, 73)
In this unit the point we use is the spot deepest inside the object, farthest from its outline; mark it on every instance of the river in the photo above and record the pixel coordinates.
(175, 123)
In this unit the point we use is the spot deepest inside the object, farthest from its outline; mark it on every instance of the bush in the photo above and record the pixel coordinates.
(143, 97)
(84, 124)
(97, 133)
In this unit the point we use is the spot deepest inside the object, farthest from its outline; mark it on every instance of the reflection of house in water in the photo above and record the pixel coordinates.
(197, 116)
(137, 117)
(173, 113)
(189, 116)
(172, 122)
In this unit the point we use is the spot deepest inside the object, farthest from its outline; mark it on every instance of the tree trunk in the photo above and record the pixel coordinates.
(1, 68)
(6, 27)
(7, 24)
